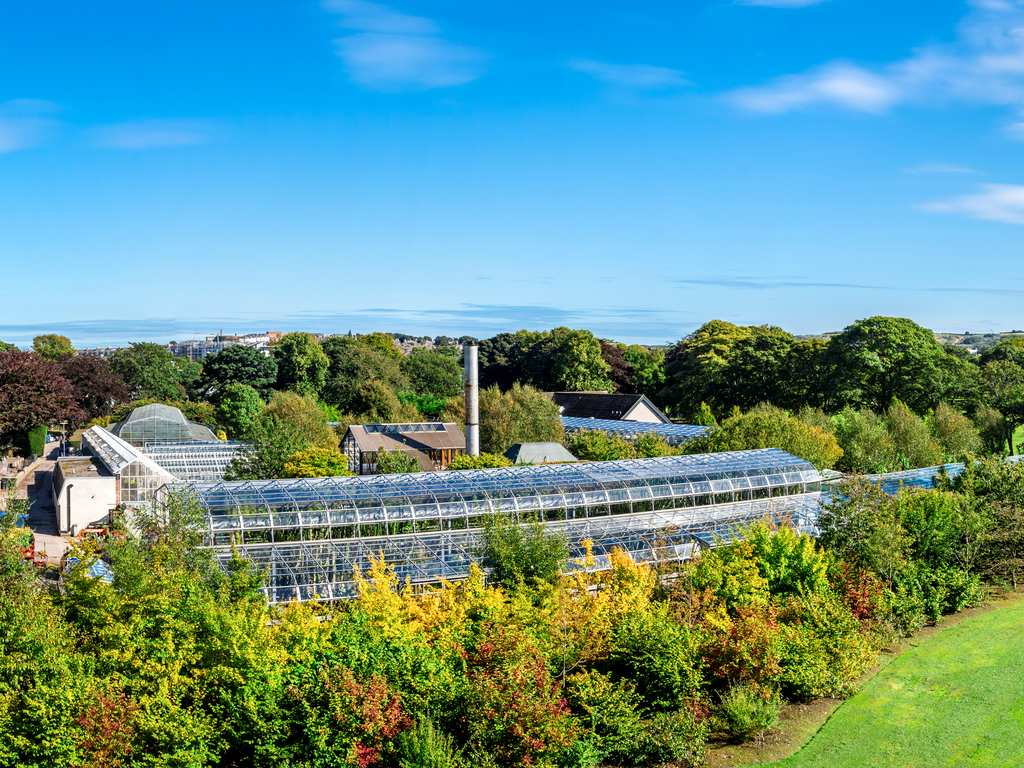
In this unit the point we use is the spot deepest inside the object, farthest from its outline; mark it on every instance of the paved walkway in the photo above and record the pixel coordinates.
(42, 517)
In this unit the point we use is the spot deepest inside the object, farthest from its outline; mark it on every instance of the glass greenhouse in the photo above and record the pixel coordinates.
(137, 476)
(194, 461)
(159, 423)
(674, 434)
(311, 534)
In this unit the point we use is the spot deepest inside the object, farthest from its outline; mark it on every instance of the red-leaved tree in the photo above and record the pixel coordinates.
(97, 388)
(32, 393)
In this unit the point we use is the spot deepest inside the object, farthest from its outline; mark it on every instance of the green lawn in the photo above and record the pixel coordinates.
(955, 700)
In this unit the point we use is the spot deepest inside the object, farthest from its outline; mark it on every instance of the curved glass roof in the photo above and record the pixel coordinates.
(674, 434)
(159, 423)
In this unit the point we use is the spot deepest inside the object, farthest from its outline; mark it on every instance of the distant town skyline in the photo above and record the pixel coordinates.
(457, 168)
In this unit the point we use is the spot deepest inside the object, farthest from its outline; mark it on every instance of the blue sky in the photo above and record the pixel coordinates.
(456, 167)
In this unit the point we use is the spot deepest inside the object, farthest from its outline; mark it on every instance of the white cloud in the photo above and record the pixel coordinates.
(25, 123)
(149, 134)
(992, 202)
(939, 168)
(631, 75)
(782, 3)
(985, 65)
(392, 51)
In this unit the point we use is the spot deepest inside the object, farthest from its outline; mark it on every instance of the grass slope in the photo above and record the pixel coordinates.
(956, 700)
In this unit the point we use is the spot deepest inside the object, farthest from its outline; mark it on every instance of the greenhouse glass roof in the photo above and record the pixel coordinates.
(194, 461)
(159, 423)
(674, 434)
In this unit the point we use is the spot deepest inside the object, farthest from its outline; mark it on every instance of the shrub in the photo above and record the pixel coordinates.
(954, 432)
(913, 442)
(395, 462)
(671, 737)
(770, 427)
(596, 445)
(609, 710)
(515, 712)
(483, 461)
(662, 656)
(524, 554)
(788, 560)
(317, 462)
(745, 647)
(426, 747)
(991, 428)
(747, 711)
(865, 441)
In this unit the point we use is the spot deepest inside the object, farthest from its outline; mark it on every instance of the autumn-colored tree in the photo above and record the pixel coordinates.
(317, 462)
(52, 346)
(97, 388)
(33, 393)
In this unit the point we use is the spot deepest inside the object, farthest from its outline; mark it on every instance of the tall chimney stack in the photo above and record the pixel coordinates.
(470, 361)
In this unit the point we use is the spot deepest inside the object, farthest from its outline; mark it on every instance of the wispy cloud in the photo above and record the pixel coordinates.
(771, 284)
(940, 168)
(782, 3)
(992, 202)
(149, 134)
(641, 76)
(25, 123)
(984, 65)
(392, 51)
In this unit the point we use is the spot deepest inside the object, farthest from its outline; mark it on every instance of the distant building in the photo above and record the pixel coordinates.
(538, 453)
(601, 405)
(433, 445)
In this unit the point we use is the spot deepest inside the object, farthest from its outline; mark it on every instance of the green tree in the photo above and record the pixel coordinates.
(810, 376)
(383, 343)
(881, 359)
(523, 554)
(503, 358)
(149, 371)
(351, 365)
(240, 409)
(433, 373)
(5, 347)
(52, 346)
(521, 415)
(301, 363)
(483, 461)
(568, 360)
(756, 369)
(317, 462)
(865, 440)
(238, 365)
(1003, 385)
(695, 366)
(911, 437)
(770, 427)
(955, 433)
(646, 369)
(991, 427)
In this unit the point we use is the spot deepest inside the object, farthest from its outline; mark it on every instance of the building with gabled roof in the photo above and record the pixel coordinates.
(602, 405)
(432, 444)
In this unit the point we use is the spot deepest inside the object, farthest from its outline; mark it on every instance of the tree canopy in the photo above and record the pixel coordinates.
(238, 365)
(150, 371)
(97, 389)
(351, 364)
(52, 346)
(33, 393)
(433, 373)
(301, 363)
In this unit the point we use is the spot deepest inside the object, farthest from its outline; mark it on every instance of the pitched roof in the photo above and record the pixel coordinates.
(601, 405)
(427, 436)
(538, 453)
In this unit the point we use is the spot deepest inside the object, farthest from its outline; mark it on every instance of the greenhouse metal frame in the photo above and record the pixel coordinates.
(311, 534)
(194, 461)
(673, 434)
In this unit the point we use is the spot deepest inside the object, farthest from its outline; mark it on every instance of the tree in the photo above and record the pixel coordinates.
(5, 347)
(521, 415)
(351, 365)
(238, 365)
(955, 433)
(433, 373)
(756, 369)
(383, 343)
(240, 409)
(694, 367)
(770, 427)
(810, 376)
(290, 423)
(301, 363)
(378, 405)
(522, 554)
(317, 462)
(149, 370)
(881, 359)
(618, 369)
(33, 394)
(482, 461)
(1003, 384)
(52, 346)
(503, 357)
(646, 370)
(568, 360)
(97, 388)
